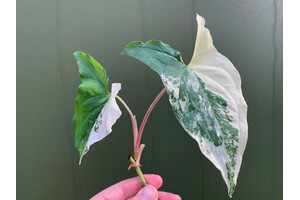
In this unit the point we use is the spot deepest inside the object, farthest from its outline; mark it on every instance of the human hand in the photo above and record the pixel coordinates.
(131, 189)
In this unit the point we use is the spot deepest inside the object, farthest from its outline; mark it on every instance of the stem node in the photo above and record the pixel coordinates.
(138, 171)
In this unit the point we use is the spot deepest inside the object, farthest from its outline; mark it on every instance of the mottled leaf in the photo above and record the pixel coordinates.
(205, 96)
(96, 110)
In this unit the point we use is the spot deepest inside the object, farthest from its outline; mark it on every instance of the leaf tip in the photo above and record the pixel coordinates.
(199, 18)
(76, 53)
(80, 157)
(122, 52)
(231, 190)
(128, 46)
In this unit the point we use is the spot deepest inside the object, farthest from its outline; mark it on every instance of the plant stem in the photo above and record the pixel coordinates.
(137, 144)
(138, 171)
(137, 135)
(133, 120)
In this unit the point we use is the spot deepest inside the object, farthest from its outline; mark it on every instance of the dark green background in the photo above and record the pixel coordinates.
(248, 32)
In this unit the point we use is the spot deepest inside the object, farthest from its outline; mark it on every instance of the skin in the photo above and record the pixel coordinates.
(131, 189)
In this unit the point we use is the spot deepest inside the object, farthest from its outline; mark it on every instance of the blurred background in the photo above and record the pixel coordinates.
(248, 32)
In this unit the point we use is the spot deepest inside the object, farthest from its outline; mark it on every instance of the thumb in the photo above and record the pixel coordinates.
(146, 193)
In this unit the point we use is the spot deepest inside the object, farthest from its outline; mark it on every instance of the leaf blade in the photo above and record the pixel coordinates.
(93, 98)
(200, 104)
(221, 77)
(156, 54)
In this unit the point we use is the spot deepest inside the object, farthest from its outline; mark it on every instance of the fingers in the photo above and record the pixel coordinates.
(168, 196)
(150, 193)
(127, 188)
(146, 193)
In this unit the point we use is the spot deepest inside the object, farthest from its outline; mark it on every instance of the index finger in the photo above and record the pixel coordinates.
(127, 188)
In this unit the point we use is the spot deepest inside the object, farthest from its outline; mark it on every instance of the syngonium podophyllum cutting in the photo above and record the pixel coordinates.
(205, 95)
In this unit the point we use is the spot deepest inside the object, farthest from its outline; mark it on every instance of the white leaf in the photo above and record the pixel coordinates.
(221, 78)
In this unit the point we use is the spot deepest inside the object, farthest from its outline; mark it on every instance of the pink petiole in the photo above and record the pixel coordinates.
(137, 133)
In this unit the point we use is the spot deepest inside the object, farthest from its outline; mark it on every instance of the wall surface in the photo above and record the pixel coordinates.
(248, 32)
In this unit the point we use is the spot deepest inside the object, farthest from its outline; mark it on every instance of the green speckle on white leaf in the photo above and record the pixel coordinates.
(206, 98)
(96, 110)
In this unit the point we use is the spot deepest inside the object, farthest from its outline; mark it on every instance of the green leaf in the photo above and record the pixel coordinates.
(95, 107)
(205, 96)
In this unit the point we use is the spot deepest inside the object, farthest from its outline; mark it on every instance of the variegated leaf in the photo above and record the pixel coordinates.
(205, 96)
(96, 110)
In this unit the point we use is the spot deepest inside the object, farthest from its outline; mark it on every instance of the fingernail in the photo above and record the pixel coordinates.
(148, 193)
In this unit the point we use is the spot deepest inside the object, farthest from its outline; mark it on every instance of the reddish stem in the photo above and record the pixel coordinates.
(137, 143)
(133, 121)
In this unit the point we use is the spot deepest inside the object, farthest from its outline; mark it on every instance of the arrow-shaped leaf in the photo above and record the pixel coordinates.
(205, 96)
(96, 110)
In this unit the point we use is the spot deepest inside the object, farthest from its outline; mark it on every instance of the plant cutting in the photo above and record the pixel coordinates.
(205, 96)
